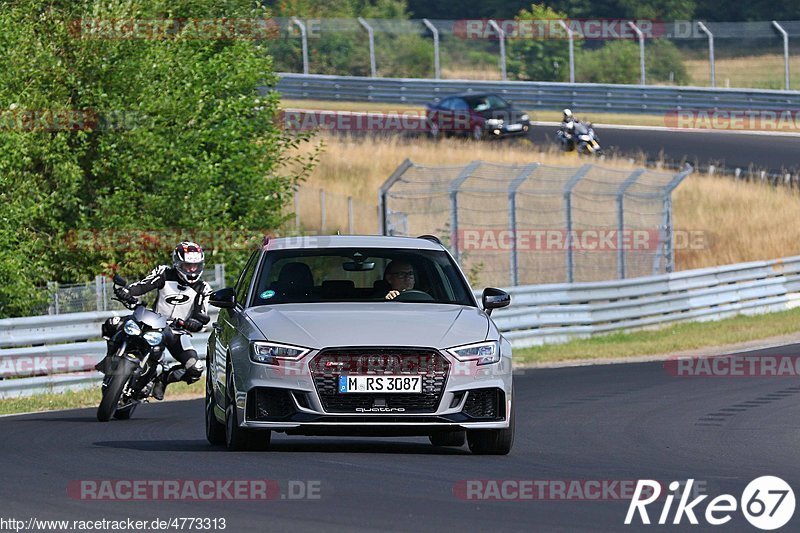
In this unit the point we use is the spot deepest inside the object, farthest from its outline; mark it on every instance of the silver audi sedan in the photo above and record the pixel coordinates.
(358, 335)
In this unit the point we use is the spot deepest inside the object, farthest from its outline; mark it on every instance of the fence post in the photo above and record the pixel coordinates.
(710, 52)
(502, 36)
(571, 51)
(437, 71)
(304, 37)
(350, 215)
(785, 53)
(453, 190)
(297, 210)
(630, 180)
(640, 35)
(516, 183)
(98, 293)
(382, 210)
(371, 36)
(322, 222)
(52, 286)
(573, 181)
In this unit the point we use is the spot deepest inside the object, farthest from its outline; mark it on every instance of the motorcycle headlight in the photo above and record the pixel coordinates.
(132, 328)
(524, 118)
(585, 138)
(269, 353)
(153, 338)
(494, 122)
(484, 353)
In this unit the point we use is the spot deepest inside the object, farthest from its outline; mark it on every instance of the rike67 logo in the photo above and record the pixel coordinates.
(767, 503)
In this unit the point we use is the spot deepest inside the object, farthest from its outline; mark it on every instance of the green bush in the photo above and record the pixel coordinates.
(618, 62)
(197, 147)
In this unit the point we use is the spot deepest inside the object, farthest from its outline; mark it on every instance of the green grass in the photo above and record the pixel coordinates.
(83, 398)
(679, 337)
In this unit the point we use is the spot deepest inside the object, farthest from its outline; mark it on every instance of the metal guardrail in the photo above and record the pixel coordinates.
(539, 314)
(542, 314)
(537, 95)
(58, 352)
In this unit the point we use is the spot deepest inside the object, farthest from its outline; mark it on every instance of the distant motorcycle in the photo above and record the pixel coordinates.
(583, 139)
(130, 371)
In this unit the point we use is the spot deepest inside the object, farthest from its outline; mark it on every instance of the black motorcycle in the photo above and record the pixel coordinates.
(583, 139)
(133, 364)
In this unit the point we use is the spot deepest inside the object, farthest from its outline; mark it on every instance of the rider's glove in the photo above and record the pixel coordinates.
(179, 323)
(193, 325)
(123, 294)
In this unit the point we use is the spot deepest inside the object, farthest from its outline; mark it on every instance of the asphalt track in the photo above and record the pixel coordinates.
(610, 422)
(774, 153)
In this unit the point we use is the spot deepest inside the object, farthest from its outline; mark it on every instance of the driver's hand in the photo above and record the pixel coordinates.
(392, 295)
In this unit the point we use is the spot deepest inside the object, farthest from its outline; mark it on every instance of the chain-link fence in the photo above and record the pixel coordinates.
(98, 295)
(716, 54)
(529, 224)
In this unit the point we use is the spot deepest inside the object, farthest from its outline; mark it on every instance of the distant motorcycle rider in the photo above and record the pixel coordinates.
(183, 297)
(567, 130)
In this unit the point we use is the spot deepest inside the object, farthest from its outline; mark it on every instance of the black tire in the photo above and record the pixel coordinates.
(215, 430)
(126, 412)
(121, 373)
(449, 438)
(492, 441)
(237, 438)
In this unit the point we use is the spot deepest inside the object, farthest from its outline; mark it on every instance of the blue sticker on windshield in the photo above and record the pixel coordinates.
(266, 295)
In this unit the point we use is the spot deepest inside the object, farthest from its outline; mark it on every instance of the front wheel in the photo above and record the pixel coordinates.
(113, 391)
(492, 441)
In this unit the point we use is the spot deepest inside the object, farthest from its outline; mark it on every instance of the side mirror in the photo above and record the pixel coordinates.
(494, 299)
(223, 298)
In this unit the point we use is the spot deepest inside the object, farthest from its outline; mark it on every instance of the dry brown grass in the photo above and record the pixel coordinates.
(761, 71)
(740, 221)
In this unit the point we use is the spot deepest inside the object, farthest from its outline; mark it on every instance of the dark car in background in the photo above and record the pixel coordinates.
(479, 115)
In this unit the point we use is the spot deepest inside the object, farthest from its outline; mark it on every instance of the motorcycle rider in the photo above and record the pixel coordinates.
(181, 296)
(568, 121)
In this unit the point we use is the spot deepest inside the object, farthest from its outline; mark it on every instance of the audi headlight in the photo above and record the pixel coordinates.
(494, 122)
(484, 353)
(153, 338)
(269, 353)
(524, 118)
(132, 328)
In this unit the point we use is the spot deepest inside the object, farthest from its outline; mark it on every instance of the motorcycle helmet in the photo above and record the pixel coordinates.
(567, 114)
(188, 260)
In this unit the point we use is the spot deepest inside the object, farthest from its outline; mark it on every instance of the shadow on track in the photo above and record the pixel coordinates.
(289, 445)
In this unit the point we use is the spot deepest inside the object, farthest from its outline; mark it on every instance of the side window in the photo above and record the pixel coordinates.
(244, 279)
(460, 105)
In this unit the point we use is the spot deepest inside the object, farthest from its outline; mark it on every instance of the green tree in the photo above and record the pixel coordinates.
(179, 136)
(539, 59)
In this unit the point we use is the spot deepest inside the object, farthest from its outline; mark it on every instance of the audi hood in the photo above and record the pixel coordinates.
(321, 325)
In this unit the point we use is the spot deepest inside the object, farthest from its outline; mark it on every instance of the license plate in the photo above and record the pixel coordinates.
(380, 384)
(514, 127)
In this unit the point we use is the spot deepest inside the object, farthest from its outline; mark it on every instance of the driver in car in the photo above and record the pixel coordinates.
(400, 277)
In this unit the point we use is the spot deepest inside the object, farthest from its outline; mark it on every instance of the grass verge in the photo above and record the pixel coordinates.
(84, 398)
(677, 338)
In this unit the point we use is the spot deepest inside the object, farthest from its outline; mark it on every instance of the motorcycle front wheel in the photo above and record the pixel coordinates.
(112, 392)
